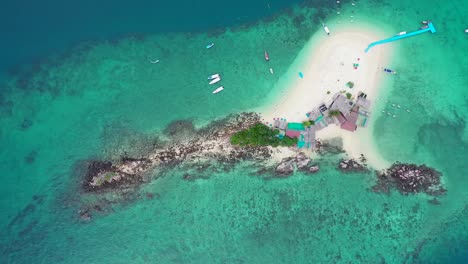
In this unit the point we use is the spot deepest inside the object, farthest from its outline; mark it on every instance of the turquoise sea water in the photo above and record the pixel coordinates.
(95, 99)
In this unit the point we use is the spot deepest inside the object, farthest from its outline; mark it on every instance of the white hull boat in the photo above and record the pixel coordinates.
(214, 76)
(401, 33)
(209, 46)
(215, 80)
(219, 89)
(327, 30)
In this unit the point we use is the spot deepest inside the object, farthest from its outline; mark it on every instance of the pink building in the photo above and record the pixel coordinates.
(293, 133)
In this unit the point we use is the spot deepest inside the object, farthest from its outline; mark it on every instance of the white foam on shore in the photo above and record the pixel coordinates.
(327, 65)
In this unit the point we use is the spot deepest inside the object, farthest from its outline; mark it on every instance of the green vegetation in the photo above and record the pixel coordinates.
(350, 84)
(261, 135)
(334, 113)
(109, 176)
(348, 95)
(328, 92)
(308, 123)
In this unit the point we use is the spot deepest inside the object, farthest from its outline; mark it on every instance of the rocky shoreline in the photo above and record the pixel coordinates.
(208, 143)
(209, 147)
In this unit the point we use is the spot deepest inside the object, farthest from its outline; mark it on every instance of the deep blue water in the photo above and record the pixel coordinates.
(32, 30)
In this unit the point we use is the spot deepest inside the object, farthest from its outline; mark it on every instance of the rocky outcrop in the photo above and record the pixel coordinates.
(208, 143)
(410, 178)
(285, 167)
(314, 169)
(351, 165)
(300, 162)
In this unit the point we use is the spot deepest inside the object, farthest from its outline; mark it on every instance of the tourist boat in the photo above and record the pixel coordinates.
(326, 29)
(401, 33)
(389, 71)
(466, 30)
(215, 80)
(271, 70)
(267, 58)
(219, 89)
(209, 46)
(214, 76)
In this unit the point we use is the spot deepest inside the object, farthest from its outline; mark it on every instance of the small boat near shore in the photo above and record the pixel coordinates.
(389, 71)
(219, 89)
(401, 33)
(271, 71)
(215, 80)
(267, 57)
(326, 29)
(214, 76)
(209, 46)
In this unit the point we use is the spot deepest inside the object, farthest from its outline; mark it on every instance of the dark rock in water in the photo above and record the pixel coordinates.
(97, 167)
(314, 169)
(149, 196)
(27, 123)
(434, 201)
(31, 157)
(410, 178)
(302, 160)
(85, 215)
(351, 165)
(187, 176)
(330, 146)
(180, 128)
(288, 165)
(285, 167)
(97, 207)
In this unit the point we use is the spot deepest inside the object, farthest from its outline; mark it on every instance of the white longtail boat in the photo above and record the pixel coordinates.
(219, 89)
(327, 30)
(214, 76)
(209, 46)
(215, 80)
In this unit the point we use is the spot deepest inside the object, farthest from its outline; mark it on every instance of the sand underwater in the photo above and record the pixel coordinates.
(102, 98)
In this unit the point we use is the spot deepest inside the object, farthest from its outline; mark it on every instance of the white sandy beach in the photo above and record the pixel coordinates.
(327, 65)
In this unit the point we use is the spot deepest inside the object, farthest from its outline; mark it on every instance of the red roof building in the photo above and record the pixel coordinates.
(351, 120)
(293, 133)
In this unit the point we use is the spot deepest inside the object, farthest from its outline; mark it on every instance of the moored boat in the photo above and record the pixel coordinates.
(327, 30)
(214, 76)
(466, 30)
(271, 70)
(267, 58)
(219, 89)
(401, 33)
(215, 80)
(209, 46)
